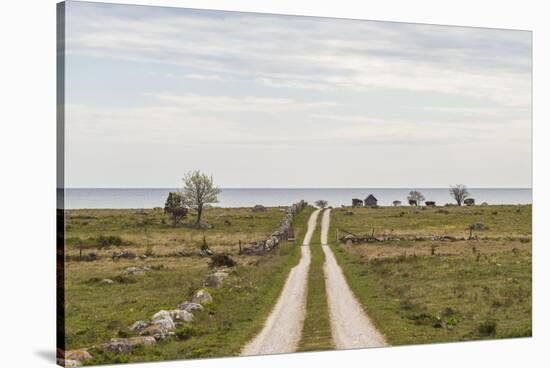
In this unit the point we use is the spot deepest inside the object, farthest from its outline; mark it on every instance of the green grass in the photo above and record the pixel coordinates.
(316, 333)
(455, 295)
(501, 221)
(95, 313)
(139, 229)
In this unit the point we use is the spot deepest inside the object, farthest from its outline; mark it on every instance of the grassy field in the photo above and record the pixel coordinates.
(500, 221)
(316, 333)
(96, 312)
(139, 229)
(474, 289)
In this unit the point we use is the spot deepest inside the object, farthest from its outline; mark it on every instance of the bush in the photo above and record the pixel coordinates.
(487, 328)
(105, 241)
(186, 332)
(222, 260)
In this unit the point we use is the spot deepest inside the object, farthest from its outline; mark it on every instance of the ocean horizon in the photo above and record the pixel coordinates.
(120, 198)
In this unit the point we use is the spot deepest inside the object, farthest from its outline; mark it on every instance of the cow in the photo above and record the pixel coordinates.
(413, 202)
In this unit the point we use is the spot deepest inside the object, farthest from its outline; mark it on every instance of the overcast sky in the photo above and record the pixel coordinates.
(284, 101)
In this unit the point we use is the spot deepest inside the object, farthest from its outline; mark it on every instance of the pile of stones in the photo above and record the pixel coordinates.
(283, 232)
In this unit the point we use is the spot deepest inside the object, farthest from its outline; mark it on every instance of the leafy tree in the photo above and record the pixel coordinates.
(321, 203)
(175, 207)
(199, 191)
(415, 195)
(459, 192)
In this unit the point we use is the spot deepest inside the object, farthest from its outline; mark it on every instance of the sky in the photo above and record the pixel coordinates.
(261, 100)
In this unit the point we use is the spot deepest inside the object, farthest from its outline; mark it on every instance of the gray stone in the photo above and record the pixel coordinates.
(139, 325)
(180, 315)
(125, 345)
(164, 319)
(190, 307)
(202, 297)
(79, 356)
(215, 280)
(158, 332)
(133, 271)
(106, 282)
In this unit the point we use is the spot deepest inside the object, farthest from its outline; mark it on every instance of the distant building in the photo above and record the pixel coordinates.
(371, 201)
(355, 202)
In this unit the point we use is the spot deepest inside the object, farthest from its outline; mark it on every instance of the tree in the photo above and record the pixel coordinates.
(416, 196)
(321, 203)
(459, 192)
(175, 207)
(199, 191)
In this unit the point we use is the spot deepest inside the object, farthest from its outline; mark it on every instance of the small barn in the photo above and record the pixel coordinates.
(371, 201)
(355, 202)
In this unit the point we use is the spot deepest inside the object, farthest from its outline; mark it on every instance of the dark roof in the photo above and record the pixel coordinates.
(371, 197)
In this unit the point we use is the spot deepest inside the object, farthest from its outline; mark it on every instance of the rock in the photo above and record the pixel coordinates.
(125, 345)
(205, 252)
(164, 319)
(190, 307)
(79, 356)
(133, 271)
(180, 315)
(69, 363)
(215, 280)
(106, 282)
(139, 325)
(156, 331)
(202, 297)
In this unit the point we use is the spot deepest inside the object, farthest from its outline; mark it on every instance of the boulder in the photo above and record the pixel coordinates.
(133, 271)
(215, 280)
(79, 356)
(69, 363)
(156, 331)
(202, 297)
(125, 345)
(180, 315)
(106, 282)
(139, 325)
(190, 307)
(164, 319)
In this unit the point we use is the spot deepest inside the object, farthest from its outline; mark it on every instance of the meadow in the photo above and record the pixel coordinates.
(96, 312)
(439, 291)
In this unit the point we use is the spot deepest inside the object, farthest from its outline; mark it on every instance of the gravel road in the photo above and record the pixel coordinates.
(283, 328)
(351, 327)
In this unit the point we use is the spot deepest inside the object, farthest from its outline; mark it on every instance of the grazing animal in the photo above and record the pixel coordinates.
(413, 202)
(430, 203)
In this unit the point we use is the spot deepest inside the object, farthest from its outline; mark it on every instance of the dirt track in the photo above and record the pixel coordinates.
(351, 327)
(282, 330)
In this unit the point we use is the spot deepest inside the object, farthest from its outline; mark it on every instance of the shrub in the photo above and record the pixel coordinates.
(186, 332)
(105, 241)
(221, 260)
(487, 328)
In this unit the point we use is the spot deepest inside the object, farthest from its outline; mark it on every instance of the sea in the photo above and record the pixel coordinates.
(116, 198)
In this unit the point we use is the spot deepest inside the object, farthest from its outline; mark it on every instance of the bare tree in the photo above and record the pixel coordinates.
(199, 191)
(321, 203)
(415, 196)
(459, 192)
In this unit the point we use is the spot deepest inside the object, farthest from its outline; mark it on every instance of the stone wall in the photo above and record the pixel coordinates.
(283, 232)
